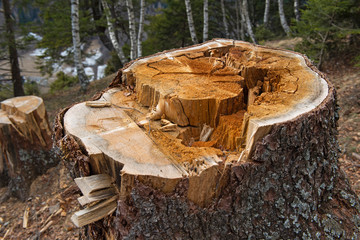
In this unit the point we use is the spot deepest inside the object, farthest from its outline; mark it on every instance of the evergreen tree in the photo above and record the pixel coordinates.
(323, 25)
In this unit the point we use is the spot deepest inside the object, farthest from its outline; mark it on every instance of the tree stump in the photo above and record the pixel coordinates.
(223, 139)
(25, 141)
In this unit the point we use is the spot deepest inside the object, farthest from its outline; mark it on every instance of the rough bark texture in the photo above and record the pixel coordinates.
(289, 187)
(25, 140)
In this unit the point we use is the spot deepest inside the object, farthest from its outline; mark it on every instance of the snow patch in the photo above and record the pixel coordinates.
(36, 36)
(101, 71)
(38, 52)
(90, 73)
(67, 51)
(90, 61)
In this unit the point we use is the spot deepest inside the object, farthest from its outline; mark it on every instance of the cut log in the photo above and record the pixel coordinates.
(94, 213)
(269, 169)
(25, 141)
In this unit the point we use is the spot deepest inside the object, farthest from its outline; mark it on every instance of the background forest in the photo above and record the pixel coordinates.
(132, 28)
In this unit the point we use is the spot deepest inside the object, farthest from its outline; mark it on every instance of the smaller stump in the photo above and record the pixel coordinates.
(25, 143)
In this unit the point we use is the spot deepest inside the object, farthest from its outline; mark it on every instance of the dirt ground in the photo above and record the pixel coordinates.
(53, 195)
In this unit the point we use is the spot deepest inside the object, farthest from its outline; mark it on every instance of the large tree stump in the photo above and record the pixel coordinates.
(25, 141)
(268, 170)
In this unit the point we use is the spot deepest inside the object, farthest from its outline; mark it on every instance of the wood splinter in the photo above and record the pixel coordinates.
(98, 104)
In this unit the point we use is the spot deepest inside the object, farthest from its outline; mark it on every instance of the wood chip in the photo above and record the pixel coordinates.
(98, 104)
(26, 218)
(46, 227)
(205, 133)
(356, 156)
(168, 128)
(93, 183)
(94, 213)
(97, 196)
(164, 122)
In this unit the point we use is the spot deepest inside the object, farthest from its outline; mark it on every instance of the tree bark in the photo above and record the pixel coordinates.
(283, 21)
(112, 34)
(100, 29)
(245, 10)
(242, 21)
(191, 22)
(141, 28)
(84, 81)
(132, 30)
(237, 23)
(296, 10)
(269, 169)
(25, 143)
(206, 21)
(226, 28)
(11, 42)
(266, 12)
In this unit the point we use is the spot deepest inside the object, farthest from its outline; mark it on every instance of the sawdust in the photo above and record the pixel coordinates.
(179, 152)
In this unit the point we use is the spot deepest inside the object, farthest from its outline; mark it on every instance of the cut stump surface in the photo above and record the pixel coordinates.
(250, 139)
(25, 140)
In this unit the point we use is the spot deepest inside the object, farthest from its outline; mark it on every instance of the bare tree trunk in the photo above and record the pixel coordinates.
(242, 21)
(141, 28)
(247, 20)
(226, 28)
(191, 22)
(112, 34)
(266, 12)
(132, 30)
(206, 20)
(84, 82)
(14, 62)
(100, 29)
(296, 10)
(237, 8)
(283, 21)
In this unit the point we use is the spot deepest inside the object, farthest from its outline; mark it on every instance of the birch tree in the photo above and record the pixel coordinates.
(237, 12)
(191, 22)
(112, 35)
(266, 12)
(13, 54)
(296, 10)
(283, 21)
(245, 11)
(226, 28)
(141, 28)
(84, 82)
(132, 30)
(242, 21)
(206, 21)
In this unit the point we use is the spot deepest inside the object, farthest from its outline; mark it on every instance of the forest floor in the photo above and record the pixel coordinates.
(53, 196)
